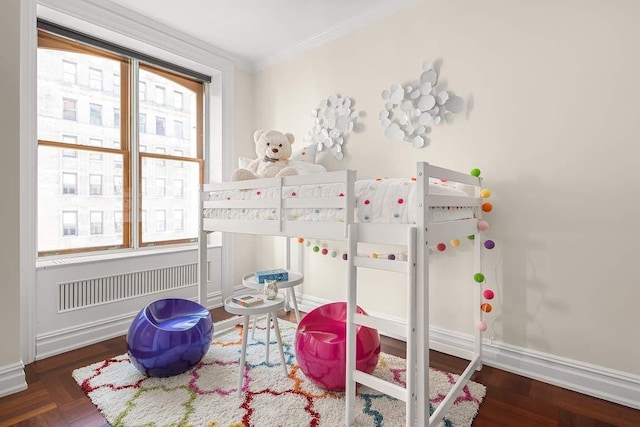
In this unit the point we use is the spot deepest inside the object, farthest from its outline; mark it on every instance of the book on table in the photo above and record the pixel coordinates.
(278, 275)
(247, 300)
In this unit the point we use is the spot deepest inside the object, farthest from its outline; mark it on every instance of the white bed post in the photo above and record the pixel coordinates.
(352, 298)
(477, 265)
(422, 299)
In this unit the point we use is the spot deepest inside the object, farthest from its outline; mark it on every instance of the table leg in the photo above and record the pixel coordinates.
(268, 336)
(245, 335)
(279, 339)
(295, 303)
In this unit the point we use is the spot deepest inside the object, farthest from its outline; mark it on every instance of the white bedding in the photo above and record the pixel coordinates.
(389, 200)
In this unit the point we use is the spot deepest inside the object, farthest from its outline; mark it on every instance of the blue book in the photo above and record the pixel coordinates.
(278, 275)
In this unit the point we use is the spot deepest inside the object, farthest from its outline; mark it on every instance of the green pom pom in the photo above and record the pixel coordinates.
(478, 277)
(475, 172)
(471, 237)
(316, 249)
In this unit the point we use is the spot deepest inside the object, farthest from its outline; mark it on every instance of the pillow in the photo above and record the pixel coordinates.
(303, 168)
(306, 154)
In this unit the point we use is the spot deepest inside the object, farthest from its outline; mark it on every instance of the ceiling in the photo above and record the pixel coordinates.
(259, 31)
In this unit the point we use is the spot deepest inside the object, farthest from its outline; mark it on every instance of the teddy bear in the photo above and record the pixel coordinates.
(273, 149)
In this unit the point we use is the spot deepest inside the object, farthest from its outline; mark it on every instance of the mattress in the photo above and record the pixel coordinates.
(389, 200)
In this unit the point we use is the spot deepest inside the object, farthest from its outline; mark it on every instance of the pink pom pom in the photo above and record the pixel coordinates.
(441, 247)
(482, 326)
(488, 294)
(483, 225)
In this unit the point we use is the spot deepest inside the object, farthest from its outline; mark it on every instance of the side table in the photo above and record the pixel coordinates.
(295, 278)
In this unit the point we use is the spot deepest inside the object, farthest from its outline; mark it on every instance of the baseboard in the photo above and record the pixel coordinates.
(12, 379)
(597, 381)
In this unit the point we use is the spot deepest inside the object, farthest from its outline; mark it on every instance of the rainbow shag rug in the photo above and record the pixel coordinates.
(206, 395)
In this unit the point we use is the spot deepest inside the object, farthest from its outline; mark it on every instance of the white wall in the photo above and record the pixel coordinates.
(552, 90)
(9, 170)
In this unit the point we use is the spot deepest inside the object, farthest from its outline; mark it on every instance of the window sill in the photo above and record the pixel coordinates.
(60, 261)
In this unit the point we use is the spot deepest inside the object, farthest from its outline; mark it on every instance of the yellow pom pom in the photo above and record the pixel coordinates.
(374, 255)
(485, 193)
(455, 243)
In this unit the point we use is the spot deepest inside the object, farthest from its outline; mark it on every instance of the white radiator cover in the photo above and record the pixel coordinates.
(83, 303)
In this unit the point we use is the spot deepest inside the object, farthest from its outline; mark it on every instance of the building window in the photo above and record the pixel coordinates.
(178, 220)
(95, 142)
(160, 126)
(160, 95)
(69, 183)
(116, 84)
(117, 185)
(178, 100)
(161, 220)
(161, 187)
(161, 150)
(69, 72)
(69, 109)
(106, 152)
(70, 139)
(142, 91)
(95, 79)
(142, 123)
(178, 153)
(95, 218)
(95, 185)
(69, 223)
(95, 114)
(178, 188)
(178, 129)
(117, 222)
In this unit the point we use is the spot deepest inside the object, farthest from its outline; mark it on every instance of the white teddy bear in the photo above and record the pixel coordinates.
(273, 149)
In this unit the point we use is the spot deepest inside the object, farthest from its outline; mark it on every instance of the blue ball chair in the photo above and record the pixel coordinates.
(169, 336)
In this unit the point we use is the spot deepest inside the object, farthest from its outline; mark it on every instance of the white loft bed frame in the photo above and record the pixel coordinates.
(416, 237)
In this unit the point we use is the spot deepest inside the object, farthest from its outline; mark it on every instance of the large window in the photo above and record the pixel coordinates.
(94, 191)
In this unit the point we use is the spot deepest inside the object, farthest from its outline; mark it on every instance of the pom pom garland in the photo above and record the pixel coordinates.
(478, 277)
(455, 243)
(475, 172)
(441, 247)
(489, 244)
(483, 225)
(488, 294)
(482, 326)
(487, 207)
(486, 307)
(485, 193)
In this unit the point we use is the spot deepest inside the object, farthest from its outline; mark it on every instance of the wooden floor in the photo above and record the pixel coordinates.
(54, 399)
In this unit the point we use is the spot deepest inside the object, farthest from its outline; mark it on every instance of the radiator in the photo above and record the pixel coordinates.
(101, 290)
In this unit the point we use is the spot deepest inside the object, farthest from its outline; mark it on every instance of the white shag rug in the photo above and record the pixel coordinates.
(206, 394)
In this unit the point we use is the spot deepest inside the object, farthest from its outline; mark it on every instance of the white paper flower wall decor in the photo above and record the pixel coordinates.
(410, 111)
(334, 120)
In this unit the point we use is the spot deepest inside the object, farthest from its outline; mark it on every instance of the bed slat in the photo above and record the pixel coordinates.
(381, 264)
(458, 201)
(450, 175)
(445, 231)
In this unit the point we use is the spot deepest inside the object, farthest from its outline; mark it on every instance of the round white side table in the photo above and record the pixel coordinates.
(268, 307)
(295, 278)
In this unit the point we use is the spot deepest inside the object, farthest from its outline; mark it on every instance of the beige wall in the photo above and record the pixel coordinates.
(552, 121)
(9, 171)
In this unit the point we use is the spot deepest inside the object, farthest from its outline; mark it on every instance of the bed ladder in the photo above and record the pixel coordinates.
(408, 331)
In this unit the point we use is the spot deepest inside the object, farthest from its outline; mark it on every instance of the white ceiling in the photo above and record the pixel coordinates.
(259, 31)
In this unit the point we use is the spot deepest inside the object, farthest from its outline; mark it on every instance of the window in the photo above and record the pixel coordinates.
(178, 129)
(95, 142)
(161, 220)
(70, 139)
(160, 129)
(95, 79)
(178, 100)
(69, 109)
(69, 183)
(69, 72)
(95, 185)
(178, 188)
(117, 185)
(161, 187)
(142, 123)
(160, 95)
(95, 218)
(91, 166)
(178, 220)
(116, 84)
(95, 114)
(142, 90)
(69, 223)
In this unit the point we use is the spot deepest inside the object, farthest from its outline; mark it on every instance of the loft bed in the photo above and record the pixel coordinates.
(436, 206)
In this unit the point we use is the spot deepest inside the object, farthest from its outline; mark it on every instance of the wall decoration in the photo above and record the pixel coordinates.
(334, 120)
(411, 110)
